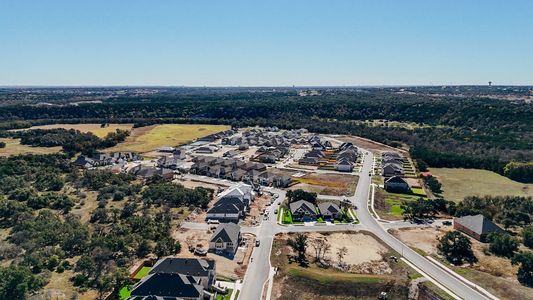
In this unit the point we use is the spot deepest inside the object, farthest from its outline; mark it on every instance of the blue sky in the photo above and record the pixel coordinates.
(251, 43)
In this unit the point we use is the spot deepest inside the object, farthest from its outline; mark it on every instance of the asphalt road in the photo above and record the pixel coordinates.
(360, 199)
(259, 267)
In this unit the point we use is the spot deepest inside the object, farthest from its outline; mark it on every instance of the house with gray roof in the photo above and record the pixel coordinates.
(477, 226)
(302, 210)
(396, 184)
(226, 238)
(330, 211)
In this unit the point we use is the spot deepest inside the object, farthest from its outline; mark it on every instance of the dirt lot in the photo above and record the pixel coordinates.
(494, 273)
(421, 238)
(256, 207)
(318, 282)
(327, 184)
(374, 147)
(226, 268)
(354, 242)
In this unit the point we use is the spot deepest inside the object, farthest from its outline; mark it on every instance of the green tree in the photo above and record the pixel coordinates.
(456, 248)
(525, 271)
(16, 281)
(419, 209)
(299, 245)
(502, 244)
(300, 194)
(527, 236)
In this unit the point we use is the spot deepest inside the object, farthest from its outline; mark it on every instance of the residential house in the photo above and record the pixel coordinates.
(391, 169)
(396, 184)
(177, 279)
(330, 211)
(303, 211)
(226, 238)
(477, 226)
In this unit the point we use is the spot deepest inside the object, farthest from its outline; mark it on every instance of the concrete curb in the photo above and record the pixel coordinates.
(464, 280)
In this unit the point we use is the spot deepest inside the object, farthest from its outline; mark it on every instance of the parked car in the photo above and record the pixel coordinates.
(447, 223)
(210, 221)
(276, 211)
(257, 243)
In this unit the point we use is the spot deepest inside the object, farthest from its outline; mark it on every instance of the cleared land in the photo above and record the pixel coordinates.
(96, 129)
(13, 147)
(364, 275)
(459, 183)
(327, 184)
(493, 273)
(150, 138)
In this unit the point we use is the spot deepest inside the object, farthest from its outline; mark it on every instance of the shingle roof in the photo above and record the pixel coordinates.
(328, 208)
(306, 205)
(185, 266)
(396, 179)
(167, 285)
(228, 232)
(478, 224)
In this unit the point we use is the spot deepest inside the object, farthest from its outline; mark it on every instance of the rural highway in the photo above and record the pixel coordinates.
(360, 199)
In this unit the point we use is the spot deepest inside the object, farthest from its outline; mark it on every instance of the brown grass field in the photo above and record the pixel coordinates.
(96, 129)
(13, 147)
(459, 183)
(150, 138)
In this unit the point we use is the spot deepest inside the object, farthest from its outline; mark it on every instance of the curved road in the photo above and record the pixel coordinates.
(360, 199)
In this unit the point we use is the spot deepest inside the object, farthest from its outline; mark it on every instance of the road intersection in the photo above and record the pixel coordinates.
(260, 271)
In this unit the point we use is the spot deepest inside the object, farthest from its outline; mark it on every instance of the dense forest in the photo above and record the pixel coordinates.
(43, 203)
(444, 131)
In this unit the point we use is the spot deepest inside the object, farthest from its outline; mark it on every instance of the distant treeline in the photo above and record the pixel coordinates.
(456, 132)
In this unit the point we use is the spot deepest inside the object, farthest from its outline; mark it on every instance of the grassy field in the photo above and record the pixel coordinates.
(96, 129)
(388, 204)
(13, 147)
(150, 138)
(458, 183)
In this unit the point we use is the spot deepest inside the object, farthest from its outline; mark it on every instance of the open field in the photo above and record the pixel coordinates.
(459, 183)
(150, 138)
(13, 147)
(96, 129)
(327, 184)
(496, 274)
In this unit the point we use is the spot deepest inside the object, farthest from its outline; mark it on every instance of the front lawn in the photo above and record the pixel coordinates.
(142, 272)
(287, 216)
(224, 297)
(124, 293)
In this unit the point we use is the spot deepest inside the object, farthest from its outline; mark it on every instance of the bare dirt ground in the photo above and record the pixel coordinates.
(227, 268)
(327, 184)
(257, 206)
(374, 147)
(424, 239)
(354, 242)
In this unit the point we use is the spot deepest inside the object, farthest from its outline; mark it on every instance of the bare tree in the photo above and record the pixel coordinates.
(341, 253)
(321, 247)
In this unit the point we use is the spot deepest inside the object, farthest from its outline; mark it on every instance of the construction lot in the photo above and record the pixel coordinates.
(227, 268)
(361, 275)
(326, 184)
